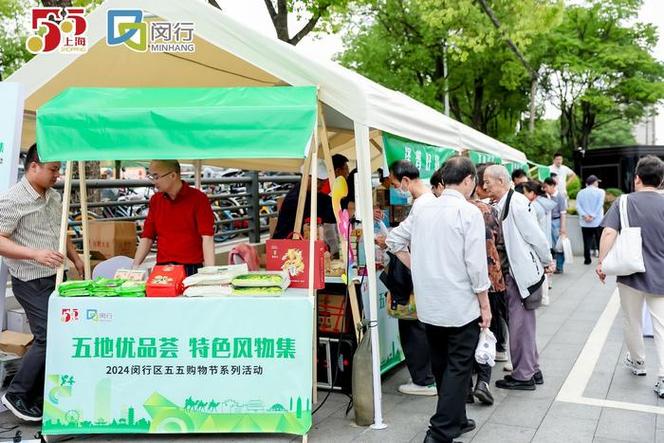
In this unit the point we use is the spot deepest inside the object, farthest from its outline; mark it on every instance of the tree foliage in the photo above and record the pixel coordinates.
(317, 15)
(601, 68)
(404, 44)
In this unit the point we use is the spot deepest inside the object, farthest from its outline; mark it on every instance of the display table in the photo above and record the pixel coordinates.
(179, 365)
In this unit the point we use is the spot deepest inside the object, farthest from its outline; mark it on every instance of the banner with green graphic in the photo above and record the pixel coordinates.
(179, 365)
(426, 158)
(391, 353)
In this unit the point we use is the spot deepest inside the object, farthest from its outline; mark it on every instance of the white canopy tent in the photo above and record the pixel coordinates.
(228, 53)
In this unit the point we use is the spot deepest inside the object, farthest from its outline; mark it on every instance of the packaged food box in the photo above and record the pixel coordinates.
(166, 281)
(265, 279)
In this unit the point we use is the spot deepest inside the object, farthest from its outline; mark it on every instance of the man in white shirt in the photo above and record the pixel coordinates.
(412, 333)
(525, 257)
(447, 244)
(564, 175)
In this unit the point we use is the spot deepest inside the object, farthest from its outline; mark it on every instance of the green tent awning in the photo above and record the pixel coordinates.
(177, 123)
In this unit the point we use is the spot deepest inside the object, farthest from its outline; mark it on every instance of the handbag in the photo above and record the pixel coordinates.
(398, 279)
(626, 255)
(401, 311)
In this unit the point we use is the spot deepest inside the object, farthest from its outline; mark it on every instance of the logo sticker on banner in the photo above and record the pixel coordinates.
(129, 27)
(61, 29)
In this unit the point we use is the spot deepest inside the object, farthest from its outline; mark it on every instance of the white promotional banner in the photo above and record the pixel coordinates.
(11, 122)
(179, 365)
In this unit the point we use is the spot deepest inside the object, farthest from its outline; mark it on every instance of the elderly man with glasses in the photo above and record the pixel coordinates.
(180, 219)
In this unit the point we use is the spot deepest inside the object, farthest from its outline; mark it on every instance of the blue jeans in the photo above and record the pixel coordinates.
(555, 234)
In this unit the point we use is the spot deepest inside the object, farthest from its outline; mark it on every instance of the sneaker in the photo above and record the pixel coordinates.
(545, 300)
(19, 408)
(501, 356)
(508, 367)
(413, 389)
(637, 367)
(659, 387)
(483, 393)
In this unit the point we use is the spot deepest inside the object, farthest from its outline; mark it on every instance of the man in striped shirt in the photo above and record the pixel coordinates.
(30, 215)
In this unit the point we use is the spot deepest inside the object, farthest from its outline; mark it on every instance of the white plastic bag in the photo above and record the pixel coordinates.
(558, 247)
(626, 255)
(567, 250)
(486, 348)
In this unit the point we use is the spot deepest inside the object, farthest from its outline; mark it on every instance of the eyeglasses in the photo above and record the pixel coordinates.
(155, 177)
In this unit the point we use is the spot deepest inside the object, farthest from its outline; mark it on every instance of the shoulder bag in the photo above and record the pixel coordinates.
(626, 255)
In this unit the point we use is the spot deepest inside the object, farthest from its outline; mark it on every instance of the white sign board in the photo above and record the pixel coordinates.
(11, 122)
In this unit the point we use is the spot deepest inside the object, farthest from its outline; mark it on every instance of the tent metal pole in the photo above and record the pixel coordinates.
(83, 196)
(366, 215)
(198, 167)
(64, 221)
(313, 230)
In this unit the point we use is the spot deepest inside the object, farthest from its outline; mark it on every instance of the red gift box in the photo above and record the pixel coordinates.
(166, 281)
(292, 256)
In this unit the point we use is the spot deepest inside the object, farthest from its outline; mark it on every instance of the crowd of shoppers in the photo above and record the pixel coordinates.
(481, 244)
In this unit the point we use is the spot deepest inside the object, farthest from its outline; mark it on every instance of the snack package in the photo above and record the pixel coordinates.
(131, 274)
(264, 279)
(75, 288)
(256, 291)
(166, 281)
(131, 288)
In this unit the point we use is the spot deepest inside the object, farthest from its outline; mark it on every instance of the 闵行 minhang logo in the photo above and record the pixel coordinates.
(128, 27)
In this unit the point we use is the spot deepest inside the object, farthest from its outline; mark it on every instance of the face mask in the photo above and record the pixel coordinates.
(403, 193)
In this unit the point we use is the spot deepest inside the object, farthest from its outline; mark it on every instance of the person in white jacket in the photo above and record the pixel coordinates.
(525, 258)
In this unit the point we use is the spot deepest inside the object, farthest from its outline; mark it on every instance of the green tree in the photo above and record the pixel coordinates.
(601, 69)
(404, 45)
(13, 32)
(614, 133)
(540, 144)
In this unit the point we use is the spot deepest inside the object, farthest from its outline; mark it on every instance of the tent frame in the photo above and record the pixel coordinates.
(362, 140)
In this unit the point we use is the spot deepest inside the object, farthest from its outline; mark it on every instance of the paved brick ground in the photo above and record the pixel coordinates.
(578, 300)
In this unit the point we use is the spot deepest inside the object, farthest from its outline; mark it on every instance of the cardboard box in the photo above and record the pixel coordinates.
(15, 342)
(17, 321)
(331, 314)
(113, 238)
(382, 197)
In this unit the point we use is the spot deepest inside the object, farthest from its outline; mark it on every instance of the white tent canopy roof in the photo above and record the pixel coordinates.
(232, 54)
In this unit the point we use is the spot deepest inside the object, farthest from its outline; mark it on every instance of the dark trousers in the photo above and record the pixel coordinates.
(452, 356)
(415, 347)
(499, 319)
(591, 238)
(33, 296)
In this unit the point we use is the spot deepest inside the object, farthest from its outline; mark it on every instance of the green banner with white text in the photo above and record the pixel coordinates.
(180, 365)
(426, 158)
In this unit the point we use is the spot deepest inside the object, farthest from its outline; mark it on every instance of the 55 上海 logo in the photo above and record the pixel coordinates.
(60, 29)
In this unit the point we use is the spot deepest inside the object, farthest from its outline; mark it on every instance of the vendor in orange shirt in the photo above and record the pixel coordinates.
(180, 219)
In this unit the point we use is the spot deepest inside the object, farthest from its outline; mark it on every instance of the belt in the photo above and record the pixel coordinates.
(555, 218)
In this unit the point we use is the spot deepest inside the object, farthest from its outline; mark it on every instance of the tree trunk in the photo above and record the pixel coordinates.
(533, 94)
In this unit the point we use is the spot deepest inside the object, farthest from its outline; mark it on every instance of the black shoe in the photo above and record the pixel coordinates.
(469, 426)
(510, 383)
(483, 394)
(587, 262)
(429, 438)
(469, 398)
(18, 406)
(538, 378)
